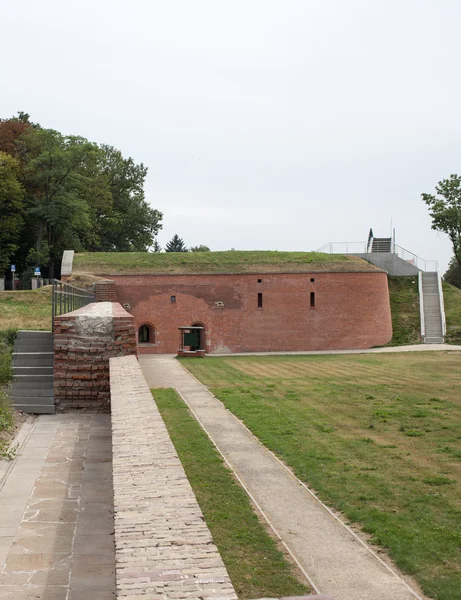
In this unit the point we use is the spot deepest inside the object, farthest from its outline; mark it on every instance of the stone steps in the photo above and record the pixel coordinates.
(33, 387)
(431, 304)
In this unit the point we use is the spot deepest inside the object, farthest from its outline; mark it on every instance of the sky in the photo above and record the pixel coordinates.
(265, 124)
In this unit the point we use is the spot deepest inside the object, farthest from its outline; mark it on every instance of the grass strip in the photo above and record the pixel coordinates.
(255, 565)
(26, 309)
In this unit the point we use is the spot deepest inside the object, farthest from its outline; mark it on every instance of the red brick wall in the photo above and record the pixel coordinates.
(352, 310)
(105, 291)
(81, 363)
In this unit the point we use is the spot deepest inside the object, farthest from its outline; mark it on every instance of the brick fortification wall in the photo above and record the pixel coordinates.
(84, 340)
(163, 546)
(351, 310)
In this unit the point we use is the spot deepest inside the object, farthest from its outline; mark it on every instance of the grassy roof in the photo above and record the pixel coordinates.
(113, 263)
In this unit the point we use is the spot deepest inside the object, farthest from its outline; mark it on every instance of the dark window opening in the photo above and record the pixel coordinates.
(173, 298)
(146, 335)
(312, 299)
(260, 280)
(312, 280)
(260, 300)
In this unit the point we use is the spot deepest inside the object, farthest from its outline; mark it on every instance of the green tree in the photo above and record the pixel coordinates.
(176, 244)
(200, 248)
(453, 273)
(53, 171)
(11, 208)
(156, 246)
(445, 211)
(130, 224)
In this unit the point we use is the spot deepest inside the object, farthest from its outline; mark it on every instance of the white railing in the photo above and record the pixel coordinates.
(423, 265)
(421, 305)
(362, 247)
(442, 306)
(344, 248)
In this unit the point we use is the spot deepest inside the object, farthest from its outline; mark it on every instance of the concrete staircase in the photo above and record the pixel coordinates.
(432, 312)
(33, 372)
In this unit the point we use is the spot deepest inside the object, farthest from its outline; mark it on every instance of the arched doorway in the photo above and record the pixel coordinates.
(146, 334)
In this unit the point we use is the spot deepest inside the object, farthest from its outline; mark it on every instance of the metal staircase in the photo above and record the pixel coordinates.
(431, 305)
(33, 372)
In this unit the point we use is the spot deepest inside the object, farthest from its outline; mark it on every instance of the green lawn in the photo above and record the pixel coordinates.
(255, 565)
(377, 436)
(216, 262)
(28, 309)
(404, 299)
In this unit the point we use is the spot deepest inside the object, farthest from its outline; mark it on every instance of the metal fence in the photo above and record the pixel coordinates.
(66, 298)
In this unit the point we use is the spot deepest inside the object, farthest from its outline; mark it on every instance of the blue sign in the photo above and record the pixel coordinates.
(13, 268)
(37, 271)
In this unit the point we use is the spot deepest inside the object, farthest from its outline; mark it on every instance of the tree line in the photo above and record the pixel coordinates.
(62, 191)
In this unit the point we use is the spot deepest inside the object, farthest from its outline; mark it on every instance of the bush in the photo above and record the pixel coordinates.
(7, 338)
(6, 412)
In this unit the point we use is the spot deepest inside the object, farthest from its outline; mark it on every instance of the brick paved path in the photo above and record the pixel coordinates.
(56, 513)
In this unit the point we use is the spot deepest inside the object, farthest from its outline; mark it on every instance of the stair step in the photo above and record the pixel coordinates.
(33, 359)
(42, 400)
(29, 392)
(34, 379)
(32, 371)
(36, 409)
(32, 349)
(34, 335)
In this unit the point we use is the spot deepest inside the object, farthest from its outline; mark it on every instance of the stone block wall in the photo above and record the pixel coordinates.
(84, 340)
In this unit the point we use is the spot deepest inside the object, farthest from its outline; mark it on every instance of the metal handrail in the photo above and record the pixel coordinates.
(66, 298)
(364, 248)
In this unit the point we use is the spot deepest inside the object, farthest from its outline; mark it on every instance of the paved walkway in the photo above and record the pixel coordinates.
(335, 560)
(412, 348)
(56, 513)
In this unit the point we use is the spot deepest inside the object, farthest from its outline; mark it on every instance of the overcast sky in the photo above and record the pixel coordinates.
(265, 124)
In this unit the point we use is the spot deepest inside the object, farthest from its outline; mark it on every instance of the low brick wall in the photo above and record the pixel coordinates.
(84, 340)
(163, 546)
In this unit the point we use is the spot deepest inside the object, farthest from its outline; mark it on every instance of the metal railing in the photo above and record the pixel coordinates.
(364, 248)
(344, 248)
(66, 298)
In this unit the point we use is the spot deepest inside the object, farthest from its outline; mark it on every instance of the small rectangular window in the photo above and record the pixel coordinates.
(173, 298)
(260, 280)
(312, 299)
(260, 300)
(312, 280)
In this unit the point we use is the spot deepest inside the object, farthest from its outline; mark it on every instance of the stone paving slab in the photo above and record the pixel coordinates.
(56, 521)
(335, 560)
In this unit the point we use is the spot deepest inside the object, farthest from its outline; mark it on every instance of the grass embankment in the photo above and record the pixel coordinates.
(104, 263)
(255, 565)
(452, 300)
(378, 437)
(28, 309)
(6, 373)
(404, 300)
